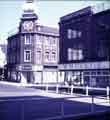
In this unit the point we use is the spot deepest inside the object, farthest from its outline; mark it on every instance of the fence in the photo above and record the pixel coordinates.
(40, 108)
(72, 89)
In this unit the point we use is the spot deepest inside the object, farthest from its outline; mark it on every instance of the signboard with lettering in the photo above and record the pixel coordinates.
(27, 67)
(85, 66)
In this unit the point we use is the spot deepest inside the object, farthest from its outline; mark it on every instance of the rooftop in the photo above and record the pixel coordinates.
(90, 9)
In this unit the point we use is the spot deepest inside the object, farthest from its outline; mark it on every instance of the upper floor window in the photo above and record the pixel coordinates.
(39, 28)
(75, 54)
(39, 39)
(69, 34)
(28, 39)
(14, 43)
(38, 56)
(53, 41)
(27, 55)
(102, 51)
(73, 33)
(80, 54)
(47, 41)
(53, 56)
(47, 56)
(69, 53)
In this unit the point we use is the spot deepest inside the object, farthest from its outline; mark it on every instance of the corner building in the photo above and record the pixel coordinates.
(85, 47)
(32, 52)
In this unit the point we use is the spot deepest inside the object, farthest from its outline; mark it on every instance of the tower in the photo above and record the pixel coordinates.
(27, 31)
(29, 17)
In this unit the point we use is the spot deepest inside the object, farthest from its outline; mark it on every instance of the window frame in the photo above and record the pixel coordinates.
(47, 56)
(53, 56)
(29, 41)
(25, 58)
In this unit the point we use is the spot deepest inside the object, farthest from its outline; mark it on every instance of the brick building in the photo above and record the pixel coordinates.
(85, 47)
(32, 52)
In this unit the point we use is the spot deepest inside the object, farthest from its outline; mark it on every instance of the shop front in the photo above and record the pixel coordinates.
(93, 74)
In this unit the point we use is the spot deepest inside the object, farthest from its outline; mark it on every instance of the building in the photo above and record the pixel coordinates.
(85, 47)
(32, 52)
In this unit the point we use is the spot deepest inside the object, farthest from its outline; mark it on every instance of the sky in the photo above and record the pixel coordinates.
(48, 11)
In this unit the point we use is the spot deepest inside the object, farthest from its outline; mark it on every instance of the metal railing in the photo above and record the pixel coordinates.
(71, 89)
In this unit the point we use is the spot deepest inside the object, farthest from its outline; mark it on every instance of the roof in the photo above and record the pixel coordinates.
(76, 13)
(41, 29)
(47, 30)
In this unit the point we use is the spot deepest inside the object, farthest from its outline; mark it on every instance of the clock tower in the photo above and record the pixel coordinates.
(29, 18)
(27, 32)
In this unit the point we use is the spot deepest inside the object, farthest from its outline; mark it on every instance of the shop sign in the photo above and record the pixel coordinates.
(87, 65)
(27, 67)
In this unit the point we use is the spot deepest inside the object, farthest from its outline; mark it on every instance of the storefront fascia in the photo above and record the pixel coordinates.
(85, 73)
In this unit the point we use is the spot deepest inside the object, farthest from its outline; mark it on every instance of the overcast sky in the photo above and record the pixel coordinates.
(49, 12)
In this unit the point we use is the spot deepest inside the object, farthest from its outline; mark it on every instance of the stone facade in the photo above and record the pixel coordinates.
(33, 52)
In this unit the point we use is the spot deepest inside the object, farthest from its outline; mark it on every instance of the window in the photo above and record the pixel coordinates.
(39, 39)
(101, 51)
(38, 56)
(47, 41)
(13, 59)
(73, 34)
(27, 56)
(28, 38)
(53, 41)
(53, 57)
(75, 54)
(80, 54)
(69, 53)
(39, 28)
(47, 56)
(14, 43)
(69, 33)
(79, 34)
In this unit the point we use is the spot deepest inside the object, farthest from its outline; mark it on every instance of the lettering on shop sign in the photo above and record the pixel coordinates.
(88, 65)
(27, 67)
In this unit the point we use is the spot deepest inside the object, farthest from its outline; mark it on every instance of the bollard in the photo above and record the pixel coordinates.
(108, 92)
(57, 88)
(72, 89)
(46, 87)
(87, 91)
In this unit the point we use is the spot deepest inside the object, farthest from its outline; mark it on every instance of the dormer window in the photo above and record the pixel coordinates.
(39, 28)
